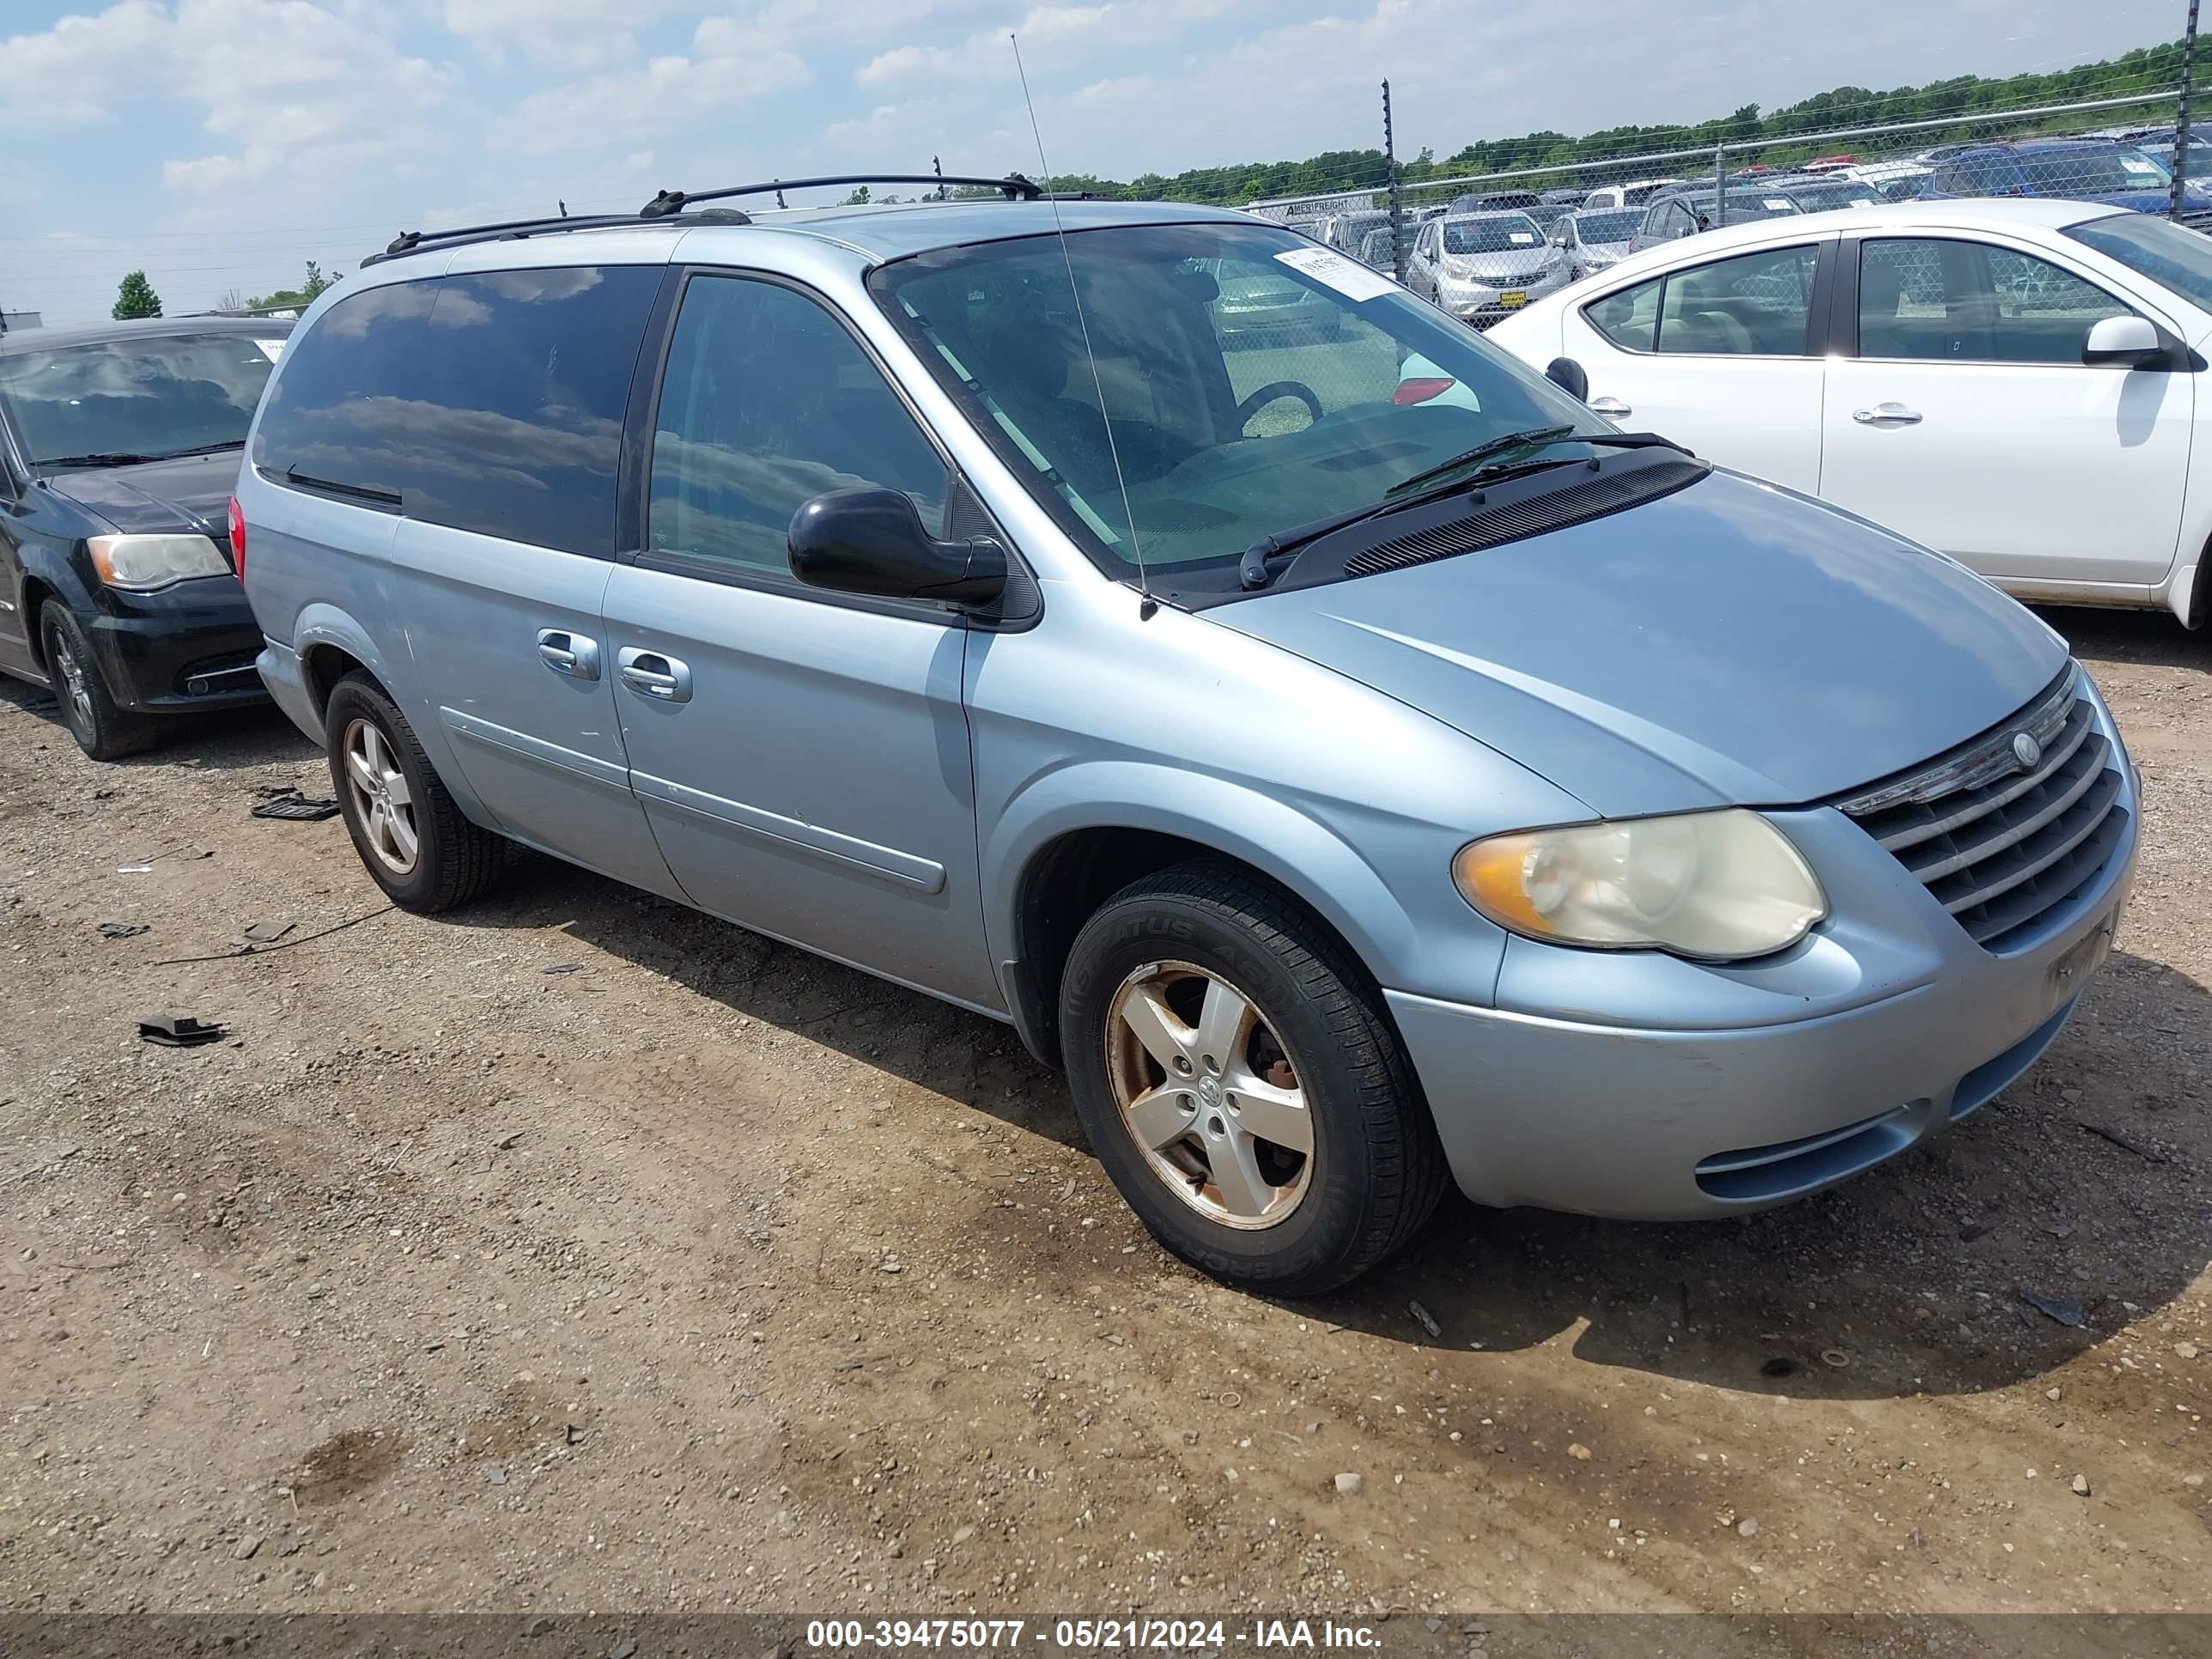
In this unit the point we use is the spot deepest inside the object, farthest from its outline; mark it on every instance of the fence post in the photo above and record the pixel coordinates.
(1398, 194)
(2181, 124)
(1720, 186)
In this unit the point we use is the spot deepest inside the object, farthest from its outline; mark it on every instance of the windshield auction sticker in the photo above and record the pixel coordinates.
(1348, 277)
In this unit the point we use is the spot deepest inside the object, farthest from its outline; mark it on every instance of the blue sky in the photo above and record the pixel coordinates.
(220, 143)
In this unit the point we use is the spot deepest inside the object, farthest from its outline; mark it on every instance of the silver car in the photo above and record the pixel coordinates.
(1594, 238)
(1482, 266)
(1358, 764)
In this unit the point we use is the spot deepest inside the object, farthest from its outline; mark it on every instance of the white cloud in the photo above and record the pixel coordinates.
(577, 33)
(286, 86)
(665, 93)
(70, 74)
(1052, 38)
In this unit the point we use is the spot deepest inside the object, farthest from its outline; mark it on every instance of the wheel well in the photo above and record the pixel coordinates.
(322, 666)
(35, 595)
(1063, 888)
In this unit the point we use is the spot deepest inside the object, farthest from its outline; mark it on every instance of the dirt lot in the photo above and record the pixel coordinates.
(578, 1252)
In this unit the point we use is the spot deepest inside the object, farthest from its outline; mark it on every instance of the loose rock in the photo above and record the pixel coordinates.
(1348, 1483)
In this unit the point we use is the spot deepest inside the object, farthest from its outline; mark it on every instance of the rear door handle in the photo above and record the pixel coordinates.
(651, 674)
(1612, 408)
(572, 654)
(1886, 414)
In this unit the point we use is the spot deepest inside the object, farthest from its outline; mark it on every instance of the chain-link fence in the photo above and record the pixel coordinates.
(2131, 150)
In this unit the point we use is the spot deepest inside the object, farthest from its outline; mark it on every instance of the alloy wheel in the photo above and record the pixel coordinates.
(383, 802)
(1210, 1095)
(74, 683)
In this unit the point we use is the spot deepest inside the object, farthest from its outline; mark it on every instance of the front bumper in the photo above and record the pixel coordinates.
(1601, 1093)
(1484, 302)
(187, 647)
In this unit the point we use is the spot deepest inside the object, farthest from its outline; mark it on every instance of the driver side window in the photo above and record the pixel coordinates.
(767, 401)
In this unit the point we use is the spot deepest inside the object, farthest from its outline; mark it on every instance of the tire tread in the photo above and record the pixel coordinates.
(469, 858)
(1406, 1159)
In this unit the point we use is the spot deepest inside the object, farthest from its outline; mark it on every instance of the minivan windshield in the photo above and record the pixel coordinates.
(144, 397)
(1226, 432)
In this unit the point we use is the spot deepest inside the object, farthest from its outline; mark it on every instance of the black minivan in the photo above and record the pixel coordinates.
(118, 448)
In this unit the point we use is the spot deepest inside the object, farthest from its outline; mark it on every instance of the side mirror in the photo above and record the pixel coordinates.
(2130, 342)
(873, 541)
(1569, 376)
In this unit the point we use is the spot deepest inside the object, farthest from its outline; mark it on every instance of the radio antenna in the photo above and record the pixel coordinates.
(1097, 384)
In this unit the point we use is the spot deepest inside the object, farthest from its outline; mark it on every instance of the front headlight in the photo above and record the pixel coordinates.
(1717, 886)
(145, 562)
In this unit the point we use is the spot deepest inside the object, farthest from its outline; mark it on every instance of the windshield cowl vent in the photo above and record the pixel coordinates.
(1611, 492)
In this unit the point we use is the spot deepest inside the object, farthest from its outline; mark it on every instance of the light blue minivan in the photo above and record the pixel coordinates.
(1354, 761)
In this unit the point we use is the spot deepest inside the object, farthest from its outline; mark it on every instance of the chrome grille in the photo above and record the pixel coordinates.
(1998, 844)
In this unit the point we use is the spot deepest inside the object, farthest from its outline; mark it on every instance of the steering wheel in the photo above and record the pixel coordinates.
(1267, 394)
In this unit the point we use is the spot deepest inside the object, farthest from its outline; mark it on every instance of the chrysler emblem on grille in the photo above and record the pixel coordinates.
(2026, 750)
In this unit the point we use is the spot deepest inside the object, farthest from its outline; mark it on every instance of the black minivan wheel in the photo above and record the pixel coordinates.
(411, 834)
(103, 728)
(1240, 1082)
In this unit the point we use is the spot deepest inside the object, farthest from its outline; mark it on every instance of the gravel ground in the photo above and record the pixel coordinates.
(578, 1252)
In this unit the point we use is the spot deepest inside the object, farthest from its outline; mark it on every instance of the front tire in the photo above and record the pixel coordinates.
(1237, 1078)
(103, 728)
(411, 836)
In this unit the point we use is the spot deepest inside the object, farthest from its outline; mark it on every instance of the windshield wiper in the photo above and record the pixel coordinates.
(1253, 567)
(118, 457)
(1536, 437)
(202, 449)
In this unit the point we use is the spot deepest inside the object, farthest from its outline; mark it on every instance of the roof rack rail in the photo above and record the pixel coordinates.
(1016, 188)
(669, 203)
(412, 241)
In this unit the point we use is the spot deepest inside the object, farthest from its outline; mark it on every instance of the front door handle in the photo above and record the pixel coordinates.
(1612, 408)
(652, 674)
(1886, 414)
(572, 654)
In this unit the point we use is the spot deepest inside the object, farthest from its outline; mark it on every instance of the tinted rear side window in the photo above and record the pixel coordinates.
(491, 402)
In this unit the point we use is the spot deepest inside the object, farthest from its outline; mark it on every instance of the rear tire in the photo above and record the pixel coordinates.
(1321, 1198)
(103, 728)
(413, 839)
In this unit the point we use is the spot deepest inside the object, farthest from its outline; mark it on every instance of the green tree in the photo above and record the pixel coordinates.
(859, 197)
(135, 297)
(298, 298)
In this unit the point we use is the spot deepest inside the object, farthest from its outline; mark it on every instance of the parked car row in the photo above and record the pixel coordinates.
(2009, 382)
(1359, 764)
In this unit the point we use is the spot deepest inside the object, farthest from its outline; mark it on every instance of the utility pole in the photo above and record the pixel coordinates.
(1398, 193)
(937, 167)
(2181, 126)
(1720, 186)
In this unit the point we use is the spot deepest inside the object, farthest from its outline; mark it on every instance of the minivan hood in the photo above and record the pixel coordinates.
(1734, 643)
(190, 493)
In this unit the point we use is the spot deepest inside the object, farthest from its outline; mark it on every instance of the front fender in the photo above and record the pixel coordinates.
(1292, 847)
(50, 565)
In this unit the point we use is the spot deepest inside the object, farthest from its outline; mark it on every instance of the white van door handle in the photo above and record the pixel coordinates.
(1612, 408)
(1886, 414)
